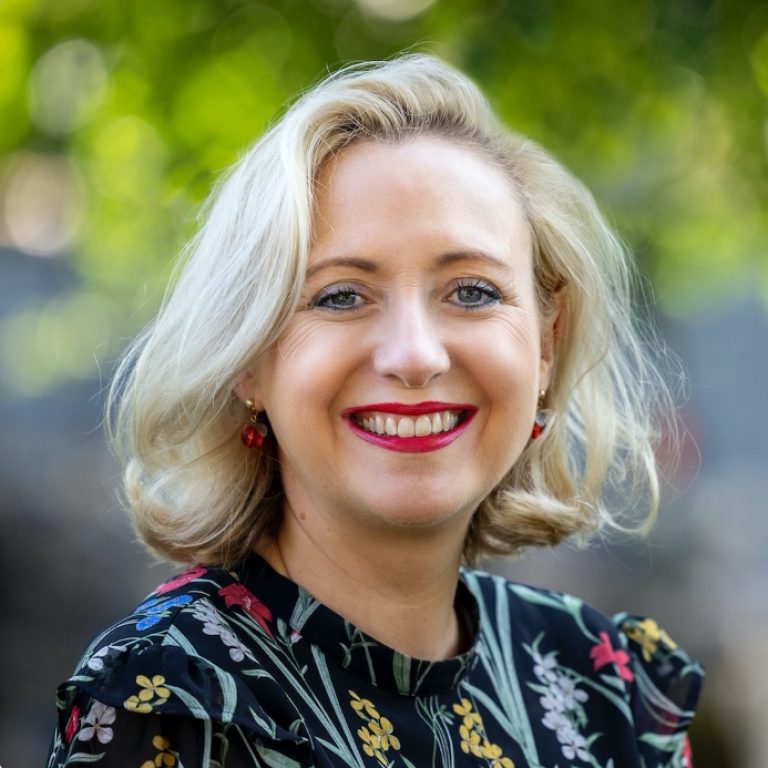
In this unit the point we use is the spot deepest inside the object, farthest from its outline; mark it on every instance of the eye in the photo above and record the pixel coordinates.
(474, 293)
(339, 297)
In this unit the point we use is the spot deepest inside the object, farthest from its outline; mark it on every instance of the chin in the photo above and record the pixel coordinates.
(421, 516)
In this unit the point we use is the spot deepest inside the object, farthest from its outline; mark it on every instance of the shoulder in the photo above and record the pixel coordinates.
(181, 651)
(527, 612)
(628, 661)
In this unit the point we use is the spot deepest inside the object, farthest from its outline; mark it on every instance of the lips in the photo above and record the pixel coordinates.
(413, 428)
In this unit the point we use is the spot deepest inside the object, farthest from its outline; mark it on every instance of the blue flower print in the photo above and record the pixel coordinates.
(157, 608)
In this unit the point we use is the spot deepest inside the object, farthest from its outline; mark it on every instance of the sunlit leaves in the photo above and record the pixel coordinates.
(136, 108)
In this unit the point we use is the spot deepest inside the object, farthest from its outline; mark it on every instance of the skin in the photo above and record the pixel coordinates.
(419, 288)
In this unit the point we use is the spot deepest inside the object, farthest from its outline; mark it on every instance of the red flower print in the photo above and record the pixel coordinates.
(237, 594)
(180, 580)
(72, 723)
(687, 754)
(603, 653)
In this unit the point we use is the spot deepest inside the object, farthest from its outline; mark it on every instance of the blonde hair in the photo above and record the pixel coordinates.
(196, 494)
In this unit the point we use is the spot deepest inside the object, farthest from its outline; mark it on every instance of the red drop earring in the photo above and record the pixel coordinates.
(253, 433)
(544, 417)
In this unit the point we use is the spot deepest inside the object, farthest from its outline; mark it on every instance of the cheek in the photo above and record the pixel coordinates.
(509, 351)
(303, 370)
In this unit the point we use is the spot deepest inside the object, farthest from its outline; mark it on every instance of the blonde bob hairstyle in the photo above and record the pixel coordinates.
(198, 495)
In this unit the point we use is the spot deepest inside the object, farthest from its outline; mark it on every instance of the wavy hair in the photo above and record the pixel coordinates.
(196, 494)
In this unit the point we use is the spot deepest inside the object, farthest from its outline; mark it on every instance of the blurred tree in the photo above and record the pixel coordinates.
(118, 117)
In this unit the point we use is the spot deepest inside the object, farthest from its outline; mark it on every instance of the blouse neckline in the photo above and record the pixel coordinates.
(351, 648)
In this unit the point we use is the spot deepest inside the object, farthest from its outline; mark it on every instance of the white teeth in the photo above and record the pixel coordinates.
(423, 426)
(405, 426)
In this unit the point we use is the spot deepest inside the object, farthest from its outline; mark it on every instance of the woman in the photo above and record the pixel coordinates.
(401, 340)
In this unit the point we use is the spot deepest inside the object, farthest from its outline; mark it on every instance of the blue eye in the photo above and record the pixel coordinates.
(475, 293)
(337, 298)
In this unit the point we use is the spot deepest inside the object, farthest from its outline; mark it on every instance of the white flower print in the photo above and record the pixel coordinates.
(545, 667)
(557, 721)
(553, 702)
(562, 701)
(213, 625)
(574, 744)
(570, 695)
(98, 720)
(96, 662)
(237, 650)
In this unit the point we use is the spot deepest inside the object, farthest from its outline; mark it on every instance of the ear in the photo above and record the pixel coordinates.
(550, 331)
(247, 388)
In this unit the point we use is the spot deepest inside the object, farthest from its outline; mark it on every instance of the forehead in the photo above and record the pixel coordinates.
(425, 185)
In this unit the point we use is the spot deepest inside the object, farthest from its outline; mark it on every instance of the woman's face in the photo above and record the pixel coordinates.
(405, 386)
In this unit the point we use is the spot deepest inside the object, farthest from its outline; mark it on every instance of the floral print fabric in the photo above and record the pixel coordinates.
(243, 668)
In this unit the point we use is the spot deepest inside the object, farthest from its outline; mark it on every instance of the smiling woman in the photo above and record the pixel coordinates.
(401, 340)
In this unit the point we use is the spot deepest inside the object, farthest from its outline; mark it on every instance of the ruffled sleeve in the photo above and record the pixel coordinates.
(162, 707)
(665, 686)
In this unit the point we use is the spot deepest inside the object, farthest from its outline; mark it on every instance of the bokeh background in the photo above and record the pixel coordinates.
(116, 116)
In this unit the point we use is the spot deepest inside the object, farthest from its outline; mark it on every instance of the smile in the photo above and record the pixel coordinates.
(414, 428)
(408, 426)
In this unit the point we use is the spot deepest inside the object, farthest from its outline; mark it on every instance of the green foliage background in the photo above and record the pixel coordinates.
(117, 117)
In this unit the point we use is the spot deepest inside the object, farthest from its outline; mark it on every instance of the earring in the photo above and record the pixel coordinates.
(255, 431)
(544, 417)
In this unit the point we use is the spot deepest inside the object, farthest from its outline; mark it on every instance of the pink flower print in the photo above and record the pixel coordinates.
(97, 722)
(237, 594)
(603, 654)
(181, 580)
(72, 723)
(687, 754)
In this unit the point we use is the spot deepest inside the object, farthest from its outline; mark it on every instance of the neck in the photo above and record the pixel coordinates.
(396, 587)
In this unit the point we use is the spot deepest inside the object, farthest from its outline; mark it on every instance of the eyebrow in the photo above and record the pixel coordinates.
(444, 259)
(473, 255)
(364, 265)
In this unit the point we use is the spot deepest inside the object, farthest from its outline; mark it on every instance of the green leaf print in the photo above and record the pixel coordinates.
(305, 606)
(401, 668)
(81, 757)
(275, 759)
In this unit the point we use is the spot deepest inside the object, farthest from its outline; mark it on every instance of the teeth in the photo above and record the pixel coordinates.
(423, 426)
(406, 426)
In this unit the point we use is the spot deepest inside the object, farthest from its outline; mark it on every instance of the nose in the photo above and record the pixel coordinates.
(409, 346)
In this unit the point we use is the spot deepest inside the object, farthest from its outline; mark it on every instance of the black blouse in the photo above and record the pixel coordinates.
(245, 668)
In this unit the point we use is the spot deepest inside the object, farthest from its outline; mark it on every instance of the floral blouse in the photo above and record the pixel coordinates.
(240, 668)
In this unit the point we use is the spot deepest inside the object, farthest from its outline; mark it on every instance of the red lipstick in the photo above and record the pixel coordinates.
(462, 412)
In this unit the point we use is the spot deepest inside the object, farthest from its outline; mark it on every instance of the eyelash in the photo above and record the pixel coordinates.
(490, 294)
(325, 299)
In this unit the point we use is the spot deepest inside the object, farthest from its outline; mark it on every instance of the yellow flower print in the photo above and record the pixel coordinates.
(152, 693)
(377, 736)
(471, 718)
(648, 634)
(473, 739)
(370, 742)
(359, 705)
(493, 753)
(384, 730)
(163, 759)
